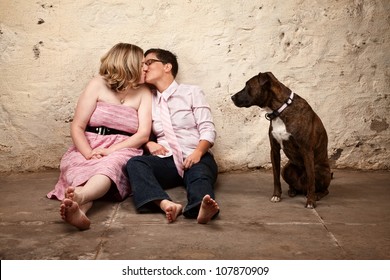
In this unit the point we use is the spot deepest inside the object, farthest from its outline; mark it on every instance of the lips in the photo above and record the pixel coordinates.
(145, 76)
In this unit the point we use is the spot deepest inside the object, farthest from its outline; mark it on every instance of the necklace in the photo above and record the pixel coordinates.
(122, 100)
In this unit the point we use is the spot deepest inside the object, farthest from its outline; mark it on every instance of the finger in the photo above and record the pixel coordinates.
(188, 166)
(187, 163)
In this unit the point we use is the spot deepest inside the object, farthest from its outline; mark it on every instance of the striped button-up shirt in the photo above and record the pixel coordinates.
(190, 115)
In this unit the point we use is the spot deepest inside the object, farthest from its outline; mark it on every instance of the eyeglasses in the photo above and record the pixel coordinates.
(151, 61)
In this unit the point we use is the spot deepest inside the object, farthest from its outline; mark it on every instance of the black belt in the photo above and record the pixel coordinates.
(102, 130)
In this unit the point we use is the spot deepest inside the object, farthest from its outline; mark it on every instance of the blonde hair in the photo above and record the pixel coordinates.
(121, 66)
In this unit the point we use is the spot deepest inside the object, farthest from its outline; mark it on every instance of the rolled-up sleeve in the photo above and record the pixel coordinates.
(203, 116)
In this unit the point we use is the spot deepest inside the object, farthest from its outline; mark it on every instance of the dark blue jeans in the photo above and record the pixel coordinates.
(150, 176)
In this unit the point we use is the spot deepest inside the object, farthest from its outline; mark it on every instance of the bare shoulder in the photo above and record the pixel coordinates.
(144, 93)
(143, 89)
(97, 81)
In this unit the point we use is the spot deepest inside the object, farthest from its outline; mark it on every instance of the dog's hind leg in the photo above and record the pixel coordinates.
(295, 177)
(320, 195)
(323, 178)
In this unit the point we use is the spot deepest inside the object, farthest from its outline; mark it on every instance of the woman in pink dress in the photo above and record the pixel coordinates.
(111, 123)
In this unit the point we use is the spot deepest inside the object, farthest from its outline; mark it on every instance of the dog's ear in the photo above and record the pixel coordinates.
(271, 76)
(264, 79)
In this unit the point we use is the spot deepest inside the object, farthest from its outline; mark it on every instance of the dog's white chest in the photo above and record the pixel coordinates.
(279, 131)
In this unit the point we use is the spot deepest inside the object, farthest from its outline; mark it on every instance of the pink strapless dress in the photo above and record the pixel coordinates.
(75, 170)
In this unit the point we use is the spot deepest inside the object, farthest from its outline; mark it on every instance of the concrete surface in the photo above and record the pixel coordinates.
(352, 222)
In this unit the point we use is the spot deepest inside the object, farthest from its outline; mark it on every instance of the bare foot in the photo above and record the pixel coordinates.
(70, 193)
(172, 210)
(208, 209)
(71, 213)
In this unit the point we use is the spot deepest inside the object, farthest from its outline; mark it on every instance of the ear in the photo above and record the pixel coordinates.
(264, 79)
(168, 67)
(270, 75)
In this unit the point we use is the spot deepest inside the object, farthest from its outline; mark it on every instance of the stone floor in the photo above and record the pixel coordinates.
(351, 223)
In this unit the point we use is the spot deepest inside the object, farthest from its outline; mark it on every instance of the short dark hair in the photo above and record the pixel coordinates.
(166, 57)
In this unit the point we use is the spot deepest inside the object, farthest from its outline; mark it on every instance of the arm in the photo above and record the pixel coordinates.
(206, 128)
(84, 109)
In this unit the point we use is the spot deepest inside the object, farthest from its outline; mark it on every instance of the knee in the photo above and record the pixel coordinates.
(207, 169)
(132, 162)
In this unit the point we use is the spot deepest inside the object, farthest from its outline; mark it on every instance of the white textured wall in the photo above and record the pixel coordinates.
(334, 53)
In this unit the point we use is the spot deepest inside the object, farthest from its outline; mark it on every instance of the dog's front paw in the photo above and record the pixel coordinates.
(275, 198)
(310, 204)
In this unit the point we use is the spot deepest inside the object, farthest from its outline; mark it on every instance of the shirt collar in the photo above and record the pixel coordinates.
(166, 94)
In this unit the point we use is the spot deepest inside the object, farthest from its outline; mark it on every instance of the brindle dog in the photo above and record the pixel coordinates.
(295, 128)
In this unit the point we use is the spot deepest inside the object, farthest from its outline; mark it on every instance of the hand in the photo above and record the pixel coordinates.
(156, 149)
(98, 153)
(192, 159)
(91, 155)
(96, 157)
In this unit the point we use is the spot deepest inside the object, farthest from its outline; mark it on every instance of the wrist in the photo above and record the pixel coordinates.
(199, 152)
(149, 144)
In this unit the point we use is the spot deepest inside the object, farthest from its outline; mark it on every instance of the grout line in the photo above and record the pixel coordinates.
(103, 235)
(331, 235)
(291, 223)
